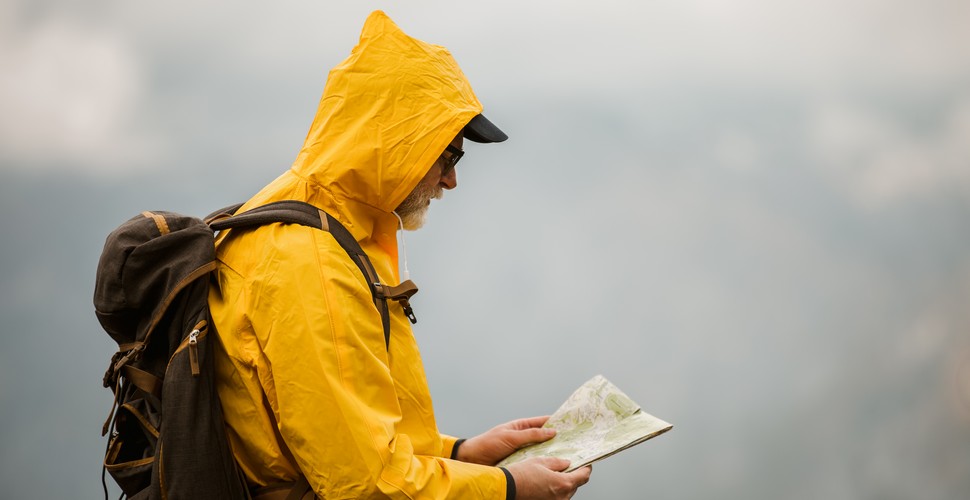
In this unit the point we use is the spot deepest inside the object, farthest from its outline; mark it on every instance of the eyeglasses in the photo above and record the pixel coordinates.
(449, 162)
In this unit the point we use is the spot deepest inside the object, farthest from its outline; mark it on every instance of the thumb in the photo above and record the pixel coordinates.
(554, 464)
(535, 435)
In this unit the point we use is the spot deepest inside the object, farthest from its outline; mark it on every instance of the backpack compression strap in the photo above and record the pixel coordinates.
(305, 214)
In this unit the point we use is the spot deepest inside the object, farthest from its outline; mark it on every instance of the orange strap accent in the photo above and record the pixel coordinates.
(159, 221)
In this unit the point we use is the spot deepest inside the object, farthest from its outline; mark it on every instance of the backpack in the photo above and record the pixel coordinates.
(168, 437)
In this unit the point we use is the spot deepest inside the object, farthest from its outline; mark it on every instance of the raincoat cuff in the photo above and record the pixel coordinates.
(448, 445)
(509, 484)
(454, 448)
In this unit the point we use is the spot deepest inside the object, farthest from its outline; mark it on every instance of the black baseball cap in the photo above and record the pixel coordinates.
(480, 129)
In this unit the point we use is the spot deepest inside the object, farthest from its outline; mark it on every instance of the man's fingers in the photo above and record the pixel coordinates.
(581, 475)
(529, 423)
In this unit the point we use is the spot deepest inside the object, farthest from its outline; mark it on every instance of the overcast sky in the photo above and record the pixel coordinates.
(751, 216)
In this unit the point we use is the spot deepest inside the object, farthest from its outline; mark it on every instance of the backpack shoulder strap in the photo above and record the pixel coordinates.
(305, 214)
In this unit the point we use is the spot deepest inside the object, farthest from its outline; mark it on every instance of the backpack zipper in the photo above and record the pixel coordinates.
(192, 343)
(194, 352)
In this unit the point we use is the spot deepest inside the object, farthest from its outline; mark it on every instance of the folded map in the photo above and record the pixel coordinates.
(597, 421)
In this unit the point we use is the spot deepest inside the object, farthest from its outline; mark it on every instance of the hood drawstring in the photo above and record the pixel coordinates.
(406, 289)
(406, 275)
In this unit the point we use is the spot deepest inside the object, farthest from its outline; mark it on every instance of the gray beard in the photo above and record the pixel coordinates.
(414, 209)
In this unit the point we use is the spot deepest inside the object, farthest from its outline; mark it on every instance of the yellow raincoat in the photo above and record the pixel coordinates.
(300, 334)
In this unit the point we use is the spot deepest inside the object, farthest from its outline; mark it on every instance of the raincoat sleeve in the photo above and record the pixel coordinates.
(324, 369)
(448, 445)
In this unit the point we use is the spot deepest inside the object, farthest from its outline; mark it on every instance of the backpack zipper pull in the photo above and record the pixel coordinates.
(194, 352)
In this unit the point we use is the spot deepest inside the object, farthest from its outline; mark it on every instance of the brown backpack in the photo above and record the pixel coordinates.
(168, 437)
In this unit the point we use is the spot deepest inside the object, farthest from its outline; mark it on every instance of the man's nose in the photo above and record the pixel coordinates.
(449, 180)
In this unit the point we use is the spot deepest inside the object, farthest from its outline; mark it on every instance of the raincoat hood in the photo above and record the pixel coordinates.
(387, 113)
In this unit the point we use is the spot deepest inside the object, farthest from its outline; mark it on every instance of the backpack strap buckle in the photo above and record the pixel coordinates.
(131, 355)
(402, 293)
(128, 352)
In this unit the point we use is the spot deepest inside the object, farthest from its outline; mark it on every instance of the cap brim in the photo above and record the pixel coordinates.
(480, 129)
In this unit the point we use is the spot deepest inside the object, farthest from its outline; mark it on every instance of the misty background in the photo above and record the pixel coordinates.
(751, 216)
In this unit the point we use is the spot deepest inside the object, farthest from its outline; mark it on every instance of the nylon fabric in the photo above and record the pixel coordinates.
(294, 315)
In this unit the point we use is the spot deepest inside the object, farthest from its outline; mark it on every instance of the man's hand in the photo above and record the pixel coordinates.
(540, 478)
(535, 478)
(499, 442)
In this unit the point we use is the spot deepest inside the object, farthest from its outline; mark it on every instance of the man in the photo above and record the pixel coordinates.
(308, 385)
